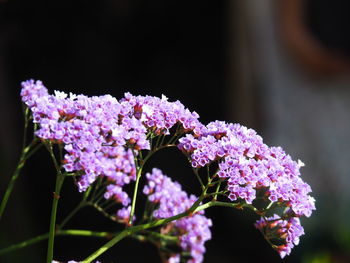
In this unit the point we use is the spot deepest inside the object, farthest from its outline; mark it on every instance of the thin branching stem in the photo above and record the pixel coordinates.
(72, 213)
(195, 171)
(56, 196)
(67, 232)
(133, 204)
(196, 207)
(27, 152)
(102, 211)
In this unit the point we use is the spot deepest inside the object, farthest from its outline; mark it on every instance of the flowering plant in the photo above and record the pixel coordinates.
(104, 143)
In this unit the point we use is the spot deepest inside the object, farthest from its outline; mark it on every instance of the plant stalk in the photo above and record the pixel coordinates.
(26, 153)
(56, 196)
(67, 232)
(133, 204)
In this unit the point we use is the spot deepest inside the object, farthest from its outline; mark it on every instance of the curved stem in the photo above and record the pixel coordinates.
(127, 232)
(217, 203)
(139, 167)
(138, 176)
(71, 214)
(149, 155)
(34, 149)
(131, 230)
(195, 171)
(158, 141)
(26, 153)
(176, 136)
(53, 157)
(98, 193)
(68, 232)
(103, 212)
(157, 235)
(108, 245)
(24, 244)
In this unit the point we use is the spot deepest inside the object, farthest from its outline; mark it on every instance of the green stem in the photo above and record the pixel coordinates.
(26, 153)
(217, 191)
(270, 205)
(157, 235)
(162, 141)
(90, 194)
(131, 230)
(215, 194)
(153, 151)
(103, 212)
(85, 233)
(133, 204)
(56, 196)
(87, 193)
(24, 244)
(208, 173)
(158, 140)
(99, 193)
(26, 113)
(121, 235)
(53, 157)
(217, 203)
(68, 232)
(71, 214)
(146, 210)
(195, 171)
(108, 245)
(138, 176)
(107, 205)
(34, 149)
(176, 135)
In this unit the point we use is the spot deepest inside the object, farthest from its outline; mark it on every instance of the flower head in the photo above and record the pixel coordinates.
(283, 234)
(249, 165)
(193, 230)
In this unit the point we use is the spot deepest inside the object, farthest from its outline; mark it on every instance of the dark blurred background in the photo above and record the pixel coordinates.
(280, 67)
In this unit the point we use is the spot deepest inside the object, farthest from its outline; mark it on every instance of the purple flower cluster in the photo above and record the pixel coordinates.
(102, 137)
(31, 91)
(285, 231)
(159, 115)
(249, 165)
(91, 134)
(100, 134)
(193, 230)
